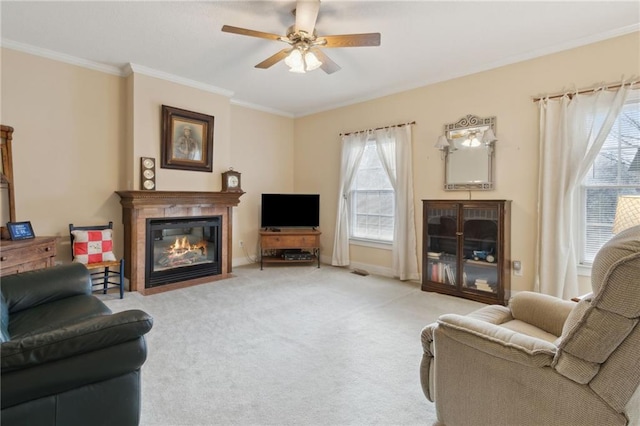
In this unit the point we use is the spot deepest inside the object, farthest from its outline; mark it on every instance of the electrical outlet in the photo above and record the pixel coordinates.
(241, 243)
(517, 268)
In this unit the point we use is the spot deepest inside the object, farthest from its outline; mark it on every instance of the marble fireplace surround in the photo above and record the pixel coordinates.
(138, 206)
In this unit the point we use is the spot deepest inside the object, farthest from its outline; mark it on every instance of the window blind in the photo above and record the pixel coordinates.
(615, 172)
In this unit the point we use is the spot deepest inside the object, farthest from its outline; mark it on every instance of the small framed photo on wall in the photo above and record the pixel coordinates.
(187, 140)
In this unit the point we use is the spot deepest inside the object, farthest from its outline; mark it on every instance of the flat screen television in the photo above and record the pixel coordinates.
(290, 210)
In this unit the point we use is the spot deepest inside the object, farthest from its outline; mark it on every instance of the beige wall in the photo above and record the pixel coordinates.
(149, 94)
(504, 92)
(68, 149)
(262, 150)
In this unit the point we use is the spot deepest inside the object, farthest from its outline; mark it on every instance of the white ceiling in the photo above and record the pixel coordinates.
(422, 42)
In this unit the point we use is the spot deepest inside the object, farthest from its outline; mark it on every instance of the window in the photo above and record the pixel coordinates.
(615, 172)
(372, 200)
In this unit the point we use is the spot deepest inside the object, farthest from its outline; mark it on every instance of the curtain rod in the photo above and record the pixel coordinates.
(611, 86)
(379, 128)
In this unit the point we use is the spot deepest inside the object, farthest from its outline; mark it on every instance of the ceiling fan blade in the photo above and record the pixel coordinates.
(351, 40)
(328, 65)
(306, 15)
(273, 59)
(251, 33)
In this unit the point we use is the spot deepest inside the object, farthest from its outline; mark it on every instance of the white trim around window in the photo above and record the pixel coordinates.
(378, 244)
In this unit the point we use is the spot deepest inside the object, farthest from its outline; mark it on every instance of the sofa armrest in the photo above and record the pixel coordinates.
(493, 314)
(32, 288)
(426, 365)
(546, 312)
(90, 335)
(496, 340)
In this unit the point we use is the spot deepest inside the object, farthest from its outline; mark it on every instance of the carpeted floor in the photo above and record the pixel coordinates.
(289, 345)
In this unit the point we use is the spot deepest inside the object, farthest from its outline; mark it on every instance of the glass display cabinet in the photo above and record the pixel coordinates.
(466, 249)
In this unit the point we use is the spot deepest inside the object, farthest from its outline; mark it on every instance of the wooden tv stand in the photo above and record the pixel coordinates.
(273, 245)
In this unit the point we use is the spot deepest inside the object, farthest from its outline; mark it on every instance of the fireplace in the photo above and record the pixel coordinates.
(172, 210)
(180, 249)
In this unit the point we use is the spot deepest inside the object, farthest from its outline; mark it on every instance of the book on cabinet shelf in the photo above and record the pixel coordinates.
(443, 273)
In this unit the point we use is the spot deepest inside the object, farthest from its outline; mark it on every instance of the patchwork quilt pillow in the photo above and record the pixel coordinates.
(93, 246)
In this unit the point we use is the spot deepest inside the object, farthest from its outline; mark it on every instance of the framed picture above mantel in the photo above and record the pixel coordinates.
(187, 140)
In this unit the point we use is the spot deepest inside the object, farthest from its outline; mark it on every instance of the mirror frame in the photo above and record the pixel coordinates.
(469, 124)
(7, 192)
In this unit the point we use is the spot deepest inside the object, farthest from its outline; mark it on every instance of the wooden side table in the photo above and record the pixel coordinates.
(26, 255)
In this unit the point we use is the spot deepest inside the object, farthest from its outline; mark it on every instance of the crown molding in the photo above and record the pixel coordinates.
(261, 108)
(389, 91)
(140, 69)
(131, 68)
(60, 57)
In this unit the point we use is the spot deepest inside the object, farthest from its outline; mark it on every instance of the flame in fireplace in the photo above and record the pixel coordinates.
(182, 246)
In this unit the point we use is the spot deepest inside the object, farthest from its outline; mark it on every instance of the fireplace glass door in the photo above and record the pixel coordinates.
(180, 249)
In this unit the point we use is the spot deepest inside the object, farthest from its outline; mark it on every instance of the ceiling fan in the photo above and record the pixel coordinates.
(303, 53)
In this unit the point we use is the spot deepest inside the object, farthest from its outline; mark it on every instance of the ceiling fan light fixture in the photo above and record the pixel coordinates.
(300, 60)
(312, 61)
(297, 70)
(294, 59)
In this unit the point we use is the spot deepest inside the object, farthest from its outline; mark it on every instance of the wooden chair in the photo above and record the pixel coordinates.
(93, 247)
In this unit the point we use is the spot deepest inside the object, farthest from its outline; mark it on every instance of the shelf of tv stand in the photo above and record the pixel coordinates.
(277, 259)
(289, 239)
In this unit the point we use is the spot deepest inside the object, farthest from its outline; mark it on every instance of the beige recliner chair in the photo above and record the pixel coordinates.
(542, 360)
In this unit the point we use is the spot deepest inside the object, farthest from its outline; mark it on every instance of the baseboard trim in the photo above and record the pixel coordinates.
(241, 261)
(372, 269)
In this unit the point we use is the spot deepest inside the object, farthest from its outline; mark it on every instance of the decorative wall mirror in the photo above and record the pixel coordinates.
(468, 147)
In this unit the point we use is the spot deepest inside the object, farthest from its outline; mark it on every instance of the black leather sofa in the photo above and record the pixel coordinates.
(65, 358)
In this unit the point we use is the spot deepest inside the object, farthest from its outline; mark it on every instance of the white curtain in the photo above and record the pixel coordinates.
(352, 149)
(572, 131)
(394, 149)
